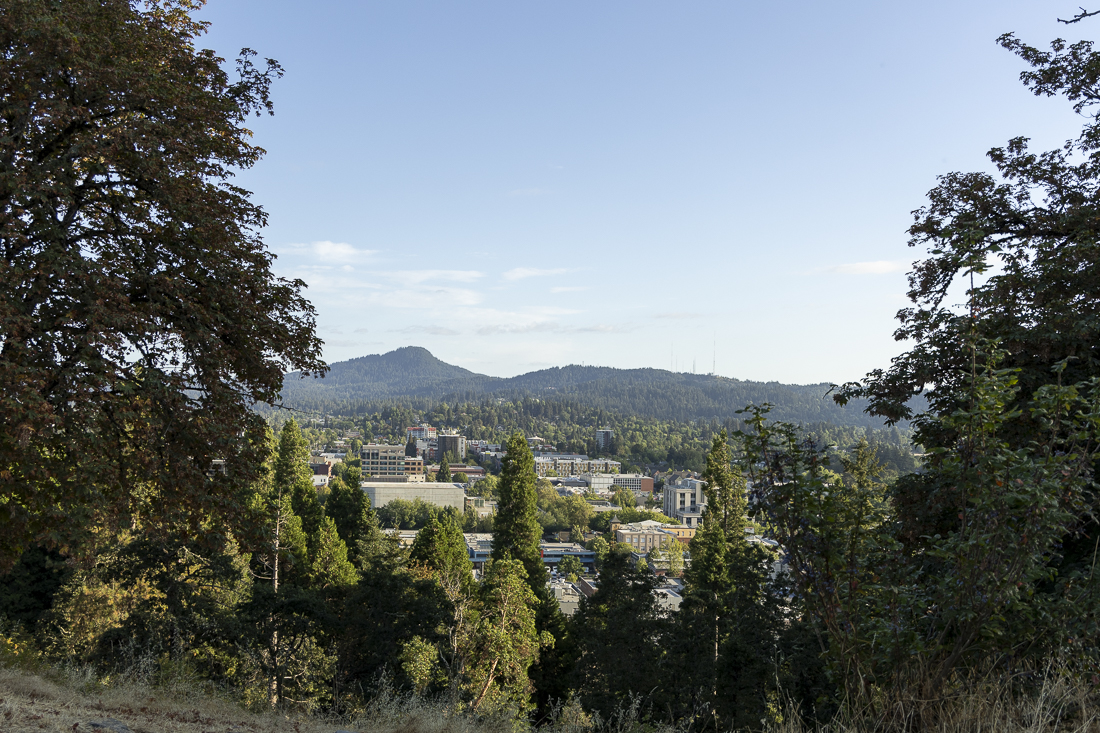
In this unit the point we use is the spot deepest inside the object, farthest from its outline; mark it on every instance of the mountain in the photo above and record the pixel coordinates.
(410, 371)
(413, 372)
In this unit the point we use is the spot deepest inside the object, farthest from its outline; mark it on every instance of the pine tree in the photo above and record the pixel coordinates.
(730, 621)
(441, 547)
(618, 635)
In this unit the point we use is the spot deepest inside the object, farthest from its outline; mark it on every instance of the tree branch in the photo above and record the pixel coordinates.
(1080, 16)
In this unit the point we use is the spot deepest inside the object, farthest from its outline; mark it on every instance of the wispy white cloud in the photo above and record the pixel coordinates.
(878, 267)
(325, 251)
(568, 289)
(518, 273)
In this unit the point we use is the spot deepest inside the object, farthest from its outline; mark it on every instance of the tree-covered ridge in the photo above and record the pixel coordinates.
(353, 387)
(640, 442)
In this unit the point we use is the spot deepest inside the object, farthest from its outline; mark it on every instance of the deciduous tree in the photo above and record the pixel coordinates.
(140, 318)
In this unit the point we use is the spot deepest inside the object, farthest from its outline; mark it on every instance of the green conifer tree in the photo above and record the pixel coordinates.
(516, 529)
(330, 568)
(293, 478)
(349, 507)
(441, 547)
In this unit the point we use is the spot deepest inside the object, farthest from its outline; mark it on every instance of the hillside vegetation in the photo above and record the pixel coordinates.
(359, 385)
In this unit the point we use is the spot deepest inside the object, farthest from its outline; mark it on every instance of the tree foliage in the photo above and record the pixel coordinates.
(140, 319)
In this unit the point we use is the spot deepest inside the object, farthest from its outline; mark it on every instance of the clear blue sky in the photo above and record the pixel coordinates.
(517, 185)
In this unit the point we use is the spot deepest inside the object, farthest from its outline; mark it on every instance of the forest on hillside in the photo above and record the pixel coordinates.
(412, 376)
(640, 443)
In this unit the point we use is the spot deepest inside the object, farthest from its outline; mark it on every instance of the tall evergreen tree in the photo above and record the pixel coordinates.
(516, 528)
(441, 547)
(729, 621)
(349, 507)
(293, 478)
(618, 634)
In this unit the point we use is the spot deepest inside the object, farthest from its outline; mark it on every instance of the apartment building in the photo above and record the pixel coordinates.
(572, 464)
(684, 501)
(423, 431)
(453, 444)
(604, 437)
(384, 460)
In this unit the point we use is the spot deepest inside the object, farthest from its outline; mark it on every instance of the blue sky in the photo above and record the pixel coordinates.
(517, 185)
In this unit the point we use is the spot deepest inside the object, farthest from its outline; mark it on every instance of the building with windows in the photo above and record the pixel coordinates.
(634, 481)
(423, 431)
(684, 501)
(453, 444)
(648, 534)
(604, 436)
(572, 464)
(383, 460)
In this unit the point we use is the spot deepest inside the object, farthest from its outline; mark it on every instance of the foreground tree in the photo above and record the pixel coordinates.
(140, 319)
(1025, 241)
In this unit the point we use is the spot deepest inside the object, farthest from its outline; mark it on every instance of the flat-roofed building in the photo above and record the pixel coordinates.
(604, 437)
(572, 464)
(453, 444)
(685, 500)
(383, 460)
(439, 494)
(423, 431)
(633, 481)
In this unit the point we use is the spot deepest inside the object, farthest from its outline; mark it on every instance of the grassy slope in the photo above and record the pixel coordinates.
(32, 703)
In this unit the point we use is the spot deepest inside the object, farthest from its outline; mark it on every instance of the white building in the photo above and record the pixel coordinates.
(440, 494)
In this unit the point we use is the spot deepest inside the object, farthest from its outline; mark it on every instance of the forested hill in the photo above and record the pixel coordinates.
(352, 387)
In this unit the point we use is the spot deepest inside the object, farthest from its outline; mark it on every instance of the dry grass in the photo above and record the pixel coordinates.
(31, 703)
(70, 701)
(1052, 701)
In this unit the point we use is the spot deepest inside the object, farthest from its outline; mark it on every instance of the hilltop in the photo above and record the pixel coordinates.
(413, 372)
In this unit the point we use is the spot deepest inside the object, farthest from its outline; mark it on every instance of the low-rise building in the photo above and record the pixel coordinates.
(439, 494)
(634, 481)
(572, 464)
(481, 506)
(566, 594)
(480, 547)
(554, 552)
